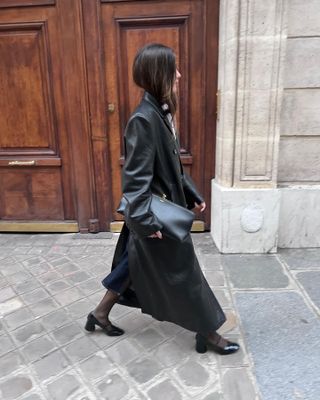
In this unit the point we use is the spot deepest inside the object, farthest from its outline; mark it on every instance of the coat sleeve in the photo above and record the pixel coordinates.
(189, 188)
(137, 175)
(190, 191)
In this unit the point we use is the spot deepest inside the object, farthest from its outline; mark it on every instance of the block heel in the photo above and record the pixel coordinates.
(201, 344)
(90, 326)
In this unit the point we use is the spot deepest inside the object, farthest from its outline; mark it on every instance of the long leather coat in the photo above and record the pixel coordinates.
(165, 274)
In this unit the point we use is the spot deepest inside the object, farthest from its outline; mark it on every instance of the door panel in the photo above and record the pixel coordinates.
(33, 139)
(27, 113)
(25, 3)
(32, 194)
(127, 26)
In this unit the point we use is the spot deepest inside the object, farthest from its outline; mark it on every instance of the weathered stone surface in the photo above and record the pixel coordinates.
(144, 370)
(214, 396)
(33, 396)
(19, 277)
(68, 268)
(48, 277)
(303, 17)
(28, 332)
(299, 226)
(170, 353)
(43, 307)
(124, 351)
(90, 286)
(6, 294)
(25, 286)
(149, 338)
(64, 387)
(293, 153)
(113, 387)
(18, 318)
(35, 296)
(8, 306)
(96, 366)
(67, 333)
(255, 272)
(38, 348)
(304, 74)
(223, 297)
(164, 390)
(155, 373)
(6, 344)
(299, 112)
(10, 362)
(80, 308)
(58, 286)
(215, 278)
(191, 373)
(80, 349)
(237, 385)
(33, 261)
(211, 262)
(230, 324)
(15, 387)
(228, 205)
(282, 336)
(55, 320)
(311, 283)
(39, 269)
(50, 365)
(301, 258)
(10, 266)
(77, 277)
(134, 321)
(68, 296)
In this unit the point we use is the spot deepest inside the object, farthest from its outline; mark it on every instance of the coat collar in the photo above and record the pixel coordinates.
(154, 102)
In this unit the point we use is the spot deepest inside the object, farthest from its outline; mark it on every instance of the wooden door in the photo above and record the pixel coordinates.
(45, 161)
(115, 30)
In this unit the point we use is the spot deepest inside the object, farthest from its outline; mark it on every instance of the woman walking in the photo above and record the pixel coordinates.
(160, 275)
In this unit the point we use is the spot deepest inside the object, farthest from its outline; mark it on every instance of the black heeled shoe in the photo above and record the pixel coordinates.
(110, 330)
(202, 344)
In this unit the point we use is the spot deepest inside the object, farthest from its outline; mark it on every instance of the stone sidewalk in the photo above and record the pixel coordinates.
(49, 282)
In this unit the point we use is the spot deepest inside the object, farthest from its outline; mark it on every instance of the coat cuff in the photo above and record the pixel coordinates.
(191, 193)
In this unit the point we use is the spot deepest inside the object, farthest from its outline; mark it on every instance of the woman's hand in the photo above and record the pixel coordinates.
(158, 235)
(201, 206)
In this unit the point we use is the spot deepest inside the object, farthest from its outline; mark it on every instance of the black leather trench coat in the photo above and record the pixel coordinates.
(165, 274)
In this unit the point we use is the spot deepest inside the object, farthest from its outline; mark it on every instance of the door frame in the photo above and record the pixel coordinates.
(93, 44)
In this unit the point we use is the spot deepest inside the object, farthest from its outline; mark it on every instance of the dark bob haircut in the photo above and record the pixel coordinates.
(154, 70)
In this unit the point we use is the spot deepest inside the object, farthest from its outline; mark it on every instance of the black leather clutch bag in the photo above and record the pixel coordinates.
(176, 220)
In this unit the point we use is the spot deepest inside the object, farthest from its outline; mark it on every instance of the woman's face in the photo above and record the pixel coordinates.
(176, 82)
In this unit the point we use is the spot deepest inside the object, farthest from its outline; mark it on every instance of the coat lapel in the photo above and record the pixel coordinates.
(150, 99)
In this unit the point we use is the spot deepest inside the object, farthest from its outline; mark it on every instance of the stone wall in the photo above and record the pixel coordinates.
(266, 192)
(299, 160)
(299, 151)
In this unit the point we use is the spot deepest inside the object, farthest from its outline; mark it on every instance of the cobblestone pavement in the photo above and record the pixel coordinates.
(49, 283)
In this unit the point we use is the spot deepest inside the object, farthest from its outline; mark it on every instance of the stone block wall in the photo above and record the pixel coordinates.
(266, 192)
(299, 151)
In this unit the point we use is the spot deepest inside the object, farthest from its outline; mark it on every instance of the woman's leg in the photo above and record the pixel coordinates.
(115, 283)
(100, 316)
(103, 309)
